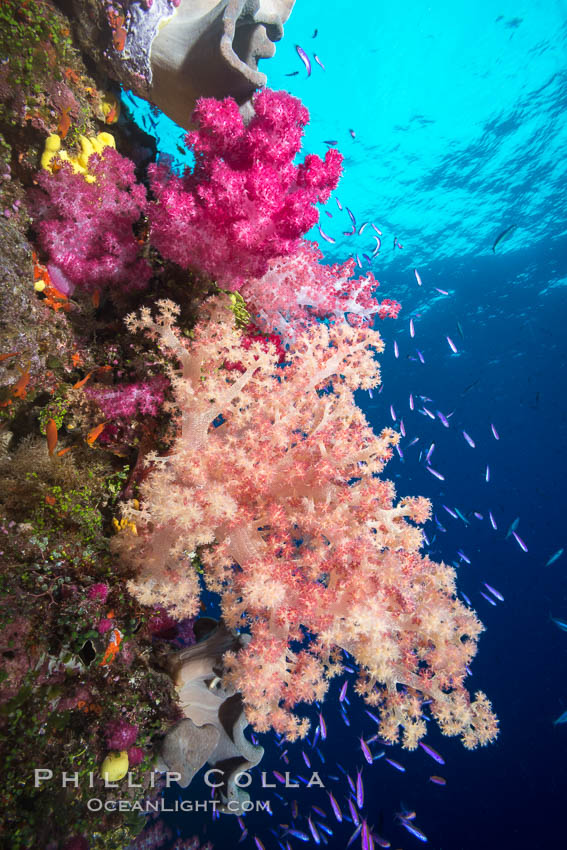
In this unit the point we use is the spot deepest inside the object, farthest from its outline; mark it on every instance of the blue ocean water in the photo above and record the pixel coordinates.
(458, 113)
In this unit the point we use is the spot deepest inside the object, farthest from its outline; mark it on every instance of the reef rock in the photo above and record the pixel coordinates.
(172, 52)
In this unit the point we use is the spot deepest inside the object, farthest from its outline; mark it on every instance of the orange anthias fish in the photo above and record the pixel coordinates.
(19, 389)
(64, 123)
(51, 434)
(95, 433)
(6, 356)
(82, 382)
(112, 648)
(64, 451)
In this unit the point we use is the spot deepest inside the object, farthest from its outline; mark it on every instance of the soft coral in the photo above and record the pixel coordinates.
(245, 201)
(86, 228)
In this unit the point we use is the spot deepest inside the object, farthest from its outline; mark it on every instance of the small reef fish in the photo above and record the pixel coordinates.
(95, 433)
(353, 134)
(355, 834)
(64, 123)
(504, 236)
(304, 58)
(82, 382)
(325, 236)
(360, 788)
(495, 593)
(555, 557)
(342, 694)
(315, 34)
(396, 350)
(442, 291)
(462, 556)
(443, 418)
(519, 541)
(378, 245)
(411, 328)
(19, 390)
(561, 719)
(417, 277)
(318, 61)
(335, 807)
(366, 840)
(51, 436)
(469, 440)
(513, 527)
(292, 74)
(452, 345)
(492, 521)
(435, 473)
(413, 830)
(313, 831)
(396, 764)
(366, 751)
(561, 624)
(494, 432)
(488, 598)
(431, 752)
(438, 780)
(487, 474)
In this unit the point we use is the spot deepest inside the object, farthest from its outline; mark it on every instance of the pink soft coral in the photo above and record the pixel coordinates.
(297, 288)
(125, 401)
(308, 538)
(245, 201)
(86, 229)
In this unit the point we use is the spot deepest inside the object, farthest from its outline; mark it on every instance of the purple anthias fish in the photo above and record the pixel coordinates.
(304, 58)
(326, 236)
(494, 592)
(469, 440)
(431, 752)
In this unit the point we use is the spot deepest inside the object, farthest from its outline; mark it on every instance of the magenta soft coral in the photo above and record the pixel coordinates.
(86, 229)
(126, 401)
(245, 201)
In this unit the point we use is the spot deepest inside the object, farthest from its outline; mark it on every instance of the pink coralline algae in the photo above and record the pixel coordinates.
(120, 735)
(245, 202)
(125, 401)
(86, 229)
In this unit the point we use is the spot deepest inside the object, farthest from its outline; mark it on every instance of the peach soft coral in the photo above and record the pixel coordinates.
(278, 468)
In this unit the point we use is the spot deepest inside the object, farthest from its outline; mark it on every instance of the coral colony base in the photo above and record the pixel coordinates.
(178, 374)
